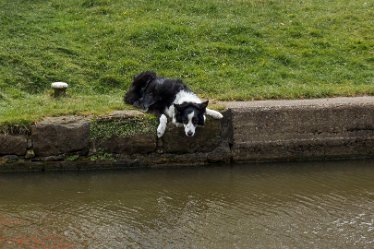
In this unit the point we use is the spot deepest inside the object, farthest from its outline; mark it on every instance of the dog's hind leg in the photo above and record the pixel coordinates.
(213, 114)
(162, 126)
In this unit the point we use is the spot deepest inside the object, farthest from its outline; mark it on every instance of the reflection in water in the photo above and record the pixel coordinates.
(304, 205)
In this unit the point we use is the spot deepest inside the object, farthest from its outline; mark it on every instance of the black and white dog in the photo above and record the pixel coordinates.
(169, 97)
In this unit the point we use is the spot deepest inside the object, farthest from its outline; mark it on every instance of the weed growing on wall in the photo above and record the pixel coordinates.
(105, 129)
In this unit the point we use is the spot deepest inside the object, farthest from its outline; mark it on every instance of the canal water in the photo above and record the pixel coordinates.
(295, 205)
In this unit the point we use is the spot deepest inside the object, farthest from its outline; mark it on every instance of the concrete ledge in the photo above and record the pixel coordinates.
(278, 130)
(302, 129)
(323, 102)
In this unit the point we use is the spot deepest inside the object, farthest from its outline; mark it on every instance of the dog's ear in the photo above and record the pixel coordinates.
(203, 105)
(180, 107)
(177, 107)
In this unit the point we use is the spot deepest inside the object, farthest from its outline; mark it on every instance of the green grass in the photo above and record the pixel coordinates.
(225, 50)
(28, 108)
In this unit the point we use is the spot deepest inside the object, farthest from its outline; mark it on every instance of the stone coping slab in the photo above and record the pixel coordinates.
(326, 102)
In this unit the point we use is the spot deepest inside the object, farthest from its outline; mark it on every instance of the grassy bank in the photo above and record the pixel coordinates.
(33, 107)
(226, 50)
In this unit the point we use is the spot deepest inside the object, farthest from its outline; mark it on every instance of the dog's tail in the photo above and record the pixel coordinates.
(140, 81)
(144, 78)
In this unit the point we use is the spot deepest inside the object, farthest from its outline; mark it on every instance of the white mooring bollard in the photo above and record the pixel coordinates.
(59, 89)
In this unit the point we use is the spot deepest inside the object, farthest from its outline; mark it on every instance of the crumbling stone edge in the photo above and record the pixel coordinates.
(338, 128)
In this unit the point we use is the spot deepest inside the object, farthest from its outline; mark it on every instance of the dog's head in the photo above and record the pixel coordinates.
(190, 115)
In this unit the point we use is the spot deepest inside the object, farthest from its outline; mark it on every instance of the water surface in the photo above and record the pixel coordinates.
(296, 205)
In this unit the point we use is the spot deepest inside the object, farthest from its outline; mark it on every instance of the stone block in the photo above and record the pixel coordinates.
(13, 144)
(206, 138)
(132, 144)
(124, 132)
(59, 135)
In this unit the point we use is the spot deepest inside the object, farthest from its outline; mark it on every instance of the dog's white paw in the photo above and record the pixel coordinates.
(160, 131)
(162, 126)
(218, 115)
(213, 114)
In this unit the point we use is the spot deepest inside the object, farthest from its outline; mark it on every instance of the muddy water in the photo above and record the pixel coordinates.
(303, 205)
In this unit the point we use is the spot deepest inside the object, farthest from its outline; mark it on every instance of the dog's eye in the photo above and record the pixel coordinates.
(185, 120)
(194, 120)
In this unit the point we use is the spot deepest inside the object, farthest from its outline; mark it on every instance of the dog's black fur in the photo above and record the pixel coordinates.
(152, 93)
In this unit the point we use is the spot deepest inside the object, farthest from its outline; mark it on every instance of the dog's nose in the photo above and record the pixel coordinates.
(190, 133)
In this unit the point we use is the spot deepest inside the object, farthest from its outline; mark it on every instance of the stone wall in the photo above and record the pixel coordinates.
(250, 131)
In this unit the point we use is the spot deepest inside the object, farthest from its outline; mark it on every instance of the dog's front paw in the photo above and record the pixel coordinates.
(162, 126)
(218, 115)
(214, 114)
(160, 131)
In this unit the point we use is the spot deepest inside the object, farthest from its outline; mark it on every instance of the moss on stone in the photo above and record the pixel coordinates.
(105, 129)
(15, 129)
(102, 156)
(72, 158)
